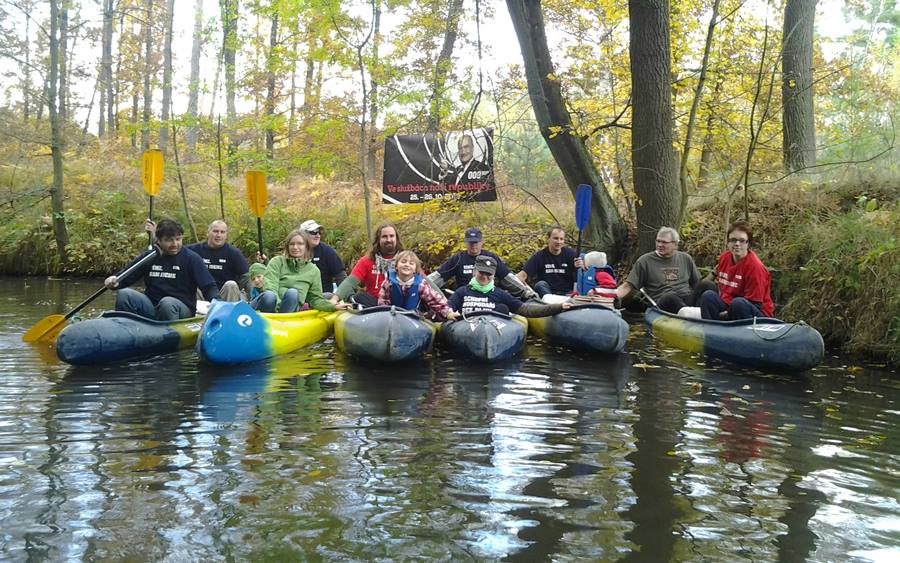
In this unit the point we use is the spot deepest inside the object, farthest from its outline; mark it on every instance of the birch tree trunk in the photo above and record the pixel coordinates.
(167, 77)
(190, 135)
(148, 66)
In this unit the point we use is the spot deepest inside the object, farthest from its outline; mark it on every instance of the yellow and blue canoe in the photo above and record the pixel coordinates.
(235, 333)
(762, 343)
(589, 328)
(486, 335)
(118, 336)
(384, 334)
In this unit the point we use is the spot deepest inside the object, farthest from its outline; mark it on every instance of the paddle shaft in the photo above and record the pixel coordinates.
(150, 216)
(259, 233)
(650, 299)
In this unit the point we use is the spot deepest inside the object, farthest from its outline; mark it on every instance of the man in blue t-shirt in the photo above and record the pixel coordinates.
(171, 280)
(461, 267)
(554, 268)
(324, 257)
(225, 263)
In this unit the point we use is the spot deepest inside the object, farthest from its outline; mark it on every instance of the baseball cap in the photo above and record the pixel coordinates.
(485, 264)
(310, 226)
(473, 234)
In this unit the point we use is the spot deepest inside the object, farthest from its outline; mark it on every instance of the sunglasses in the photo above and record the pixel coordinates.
(319, 232)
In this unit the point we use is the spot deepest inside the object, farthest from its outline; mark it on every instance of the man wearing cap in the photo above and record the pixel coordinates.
(481, 295)
(461, 266)
(554, 268)
(324, 257)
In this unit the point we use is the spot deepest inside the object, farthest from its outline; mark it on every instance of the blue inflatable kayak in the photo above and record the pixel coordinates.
(384, 334)
(590, 328)
(485, 335)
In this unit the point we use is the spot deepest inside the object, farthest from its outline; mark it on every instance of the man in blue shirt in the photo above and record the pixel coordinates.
(171, 280)
(461, 267)
(324, 257)
(225, 263)
(554, 268)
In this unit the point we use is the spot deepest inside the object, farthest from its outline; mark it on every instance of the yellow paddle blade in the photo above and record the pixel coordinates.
(46, 329)
(152, 171)
(256, 192)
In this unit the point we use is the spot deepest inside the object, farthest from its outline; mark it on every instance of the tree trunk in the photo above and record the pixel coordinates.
(57, 140)
(167, 78)
(605, 229)
(443, 64)
(26, 76)
(372, 157)
(306, 109)
(654, 166)
(799, 132)
(106, 69)
(229, 11)
(292, 115)
(62, 96)
(270, 88)
(190, 135)
(148, 68)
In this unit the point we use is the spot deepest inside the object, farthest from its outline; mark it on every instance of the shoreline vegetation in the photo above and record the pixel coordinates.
(832, 245)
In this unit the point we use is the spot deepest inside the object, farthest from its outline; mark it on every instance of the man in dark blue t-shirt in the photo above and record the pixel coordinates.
(554, 268)
(461, 267)
(324, 257)
(171, 280)
(225, 263)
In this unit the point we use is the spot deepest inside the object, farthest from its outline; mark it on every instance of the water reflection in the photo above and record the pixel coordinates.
(651, 455)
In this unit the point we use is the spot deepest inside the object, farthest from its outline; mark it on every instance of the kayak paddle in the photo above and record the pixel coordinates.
(256, 197)
(46, 329)
(582, 216)
(152, 176)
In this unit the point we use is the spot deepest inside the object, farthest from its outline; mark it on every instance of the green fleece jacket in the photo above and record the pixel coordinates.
(284, 273)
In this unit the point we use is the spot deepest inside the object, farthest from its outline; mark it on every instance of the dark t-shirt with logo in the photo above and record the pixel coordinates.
(461, 267)
(225, 263)
(559, 271)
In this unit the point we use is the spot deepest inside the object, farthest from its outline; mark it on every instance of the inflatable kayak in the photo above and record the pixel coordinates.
(116, 336)
(591, 328)
(485, 335)
(235, 333)
(762, 343)
(385, 334)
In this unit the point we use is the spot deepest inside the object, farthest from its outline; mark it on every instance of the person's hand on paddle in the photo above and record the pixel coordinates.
(261, 258)
(579, 263)
(111, 282)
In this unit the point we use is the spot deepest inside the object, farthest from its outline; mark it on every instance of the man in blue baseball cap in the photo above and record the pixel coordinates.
(461, 267)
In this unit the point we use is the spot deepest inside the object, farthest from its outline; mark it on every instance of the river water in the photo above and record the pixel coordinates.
(650, 455)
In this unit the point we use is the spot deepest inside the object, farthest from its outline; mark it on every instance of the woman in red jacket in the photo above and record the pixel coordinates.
(744, 284)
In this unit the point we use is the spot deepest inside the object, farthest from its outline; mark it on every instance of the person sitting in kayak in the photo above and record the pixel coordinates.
(552, 269)
(171, 280)
(406, 287)
(481, 295)
(597, 281)
(461, 267)
(370, 271)
(257, 282)
(291, 279)
(669, 276)
(744, 283)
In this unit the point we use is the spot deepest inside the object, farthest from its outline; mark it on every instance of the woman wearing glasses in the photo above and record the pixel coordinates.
(744, 284)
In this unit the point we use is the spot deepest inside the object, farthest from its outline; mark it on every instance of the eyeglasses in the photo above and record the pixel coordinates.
(664, 241)
(738, 240)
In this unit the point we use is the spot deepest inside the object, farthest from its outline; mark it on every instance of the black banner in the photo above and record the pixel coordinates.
(420, 168)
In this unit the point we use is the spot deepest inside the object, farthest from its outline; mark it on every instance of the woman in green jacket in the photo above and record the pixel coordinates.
(291, 279)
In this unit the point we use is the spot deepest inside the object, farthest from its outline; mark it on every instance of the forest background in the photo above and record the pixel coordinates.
(690, 114)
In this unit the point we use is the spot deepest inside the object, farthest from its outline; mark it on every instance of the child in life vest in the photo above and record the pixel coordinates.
(596, 281)
(406, 287)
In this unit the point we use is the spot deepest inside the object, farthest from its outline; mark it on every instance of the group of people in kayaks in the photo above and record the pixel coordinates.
(552, 280)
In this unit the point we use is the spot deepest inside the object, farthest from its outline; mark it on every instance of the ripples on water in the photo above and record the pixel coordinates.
(648, 455)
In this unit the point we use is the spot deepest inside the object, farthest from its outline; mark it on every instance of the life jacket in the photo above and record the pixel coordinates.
(587, 279)
(409, 301)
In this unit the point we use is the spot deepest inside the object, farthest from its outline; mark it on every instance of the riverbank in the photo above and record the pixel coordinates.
(832, 248)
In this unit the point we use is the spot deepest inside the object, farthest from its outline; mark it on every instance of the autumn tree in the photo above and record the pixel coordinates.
(57, 139)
